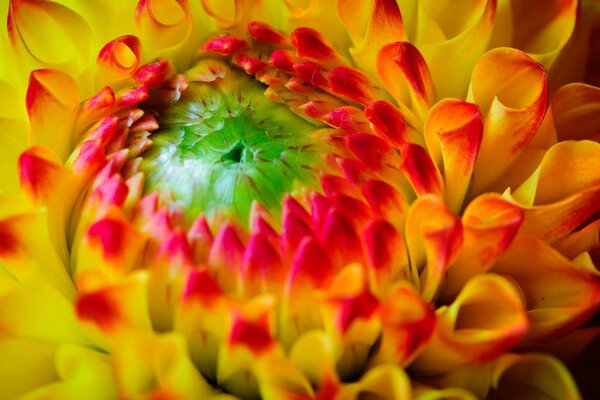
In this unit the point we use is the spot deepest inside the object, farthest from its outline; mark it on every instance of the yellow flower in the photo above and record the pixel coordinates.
(298, 199)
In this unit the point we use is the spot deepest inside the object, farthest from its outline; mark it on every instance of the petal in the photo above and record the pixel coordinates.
(573, 112)
(511, 92)
(404, 73)
(407, 325)
(433, 237)
(387, 382)
(453, 132)
(486, 319)
(547, 30)
(559, 295)
(13, 136)
(448, 28)
(420, 170)
(163, 24)
(371, 25)
(118, 59)
(52, 101)
(490, 223)
(556, 200)
(531, 375)
(46, 33)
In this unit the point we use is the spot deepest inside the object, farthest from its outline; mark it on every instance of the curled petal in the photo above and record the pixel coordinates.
(404, 73)
(163, 24)
(50, 33)
(486, 319)
(573, 111)
(371, 25)
(517, 376)
(383, 382)
(511, 91)
(581, 241)
(433, 236)
(234, 15)
(119, 58)
(559, 294)
(407, 324)
(52, 101)
(351, 83)
(490, 223)
(548, 29)
(422, 392)
(557, 200)
(453, 132)
(441, 34)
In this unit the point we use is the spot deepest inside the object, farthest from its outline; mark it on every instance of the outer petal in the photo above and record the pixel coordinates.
(531, 375)
(546, 30)
(558, 199)
(52, 101)
(13, 136)
(485, 320)
(573, 112)
(371, 25)
(433, 236)
(45, 33)
(560, 295)
(490, 223)
(453, 132)
(510, 90)
(448, 28)
(387, 382)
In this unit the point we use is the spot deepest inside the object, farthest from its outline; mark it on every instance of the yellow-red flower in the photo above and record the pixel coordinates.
(297, 199)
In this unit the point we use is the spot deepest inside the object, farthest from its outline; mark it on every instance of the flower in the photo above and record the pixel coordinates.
(298, 200)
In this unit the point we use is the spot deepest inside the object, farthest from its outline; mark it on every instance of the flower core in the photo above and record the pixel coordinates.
(224, 145)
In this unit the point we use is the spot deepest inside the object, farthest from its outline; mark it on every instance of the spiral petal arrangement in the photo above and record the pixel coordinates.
(284, 200)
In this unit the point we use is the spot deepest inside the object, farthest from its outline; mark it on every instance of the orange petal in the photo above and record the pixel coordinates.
(486, 319)
(453, 132)
(407, 324)
(574, 109)
(547, 29)
(490, 224)
(46, 33)
(511, 91)
(52, 102)
(560, 295)
(433, 237)
(404, 73)
(371, 25)
(556, 199)
(119, 58)
(586, 239)
(525, 376)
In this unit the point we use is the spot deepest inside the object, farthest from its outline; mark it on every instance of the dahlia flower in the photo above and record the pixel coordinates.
(299, 199)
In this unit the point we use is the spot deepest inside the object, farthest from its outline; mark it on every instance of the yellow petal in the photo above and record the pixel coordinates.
(462, 27)
(371, 25)
(453, 132)
(387, 382)
(421, 392)
(510, 90)
(486, 319)
(559, 295)
(45, 33)
(490, 223)
(52, 101)
(532, 376)
(433, 237)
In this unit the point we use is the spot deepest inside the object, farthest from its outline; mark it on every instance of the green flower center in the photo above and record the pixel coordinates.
(224, 144)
